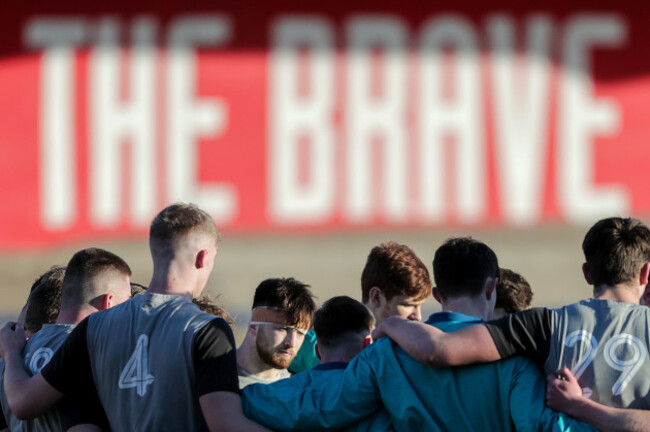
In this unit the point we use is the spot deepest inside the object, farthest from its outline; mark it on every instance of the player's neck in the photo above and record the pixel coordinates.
(336, 357)
(474, 307)
(621, 293)
(171, 279)
(74, 315)
(250, 361)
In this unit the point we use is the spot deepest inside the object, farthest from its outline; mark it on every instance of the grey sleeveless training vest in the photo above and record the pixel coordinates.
(607, 343)
(141, 358)
(37, 353)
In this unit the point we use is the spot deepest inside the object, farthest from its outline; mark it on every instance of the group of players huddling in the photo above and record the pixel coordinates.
(95, 352)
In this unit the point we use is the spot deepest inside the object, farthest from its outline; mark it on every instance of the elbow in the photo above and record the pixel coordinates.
(429, 356)
(439, 355)
(22, 409)
(437, 359)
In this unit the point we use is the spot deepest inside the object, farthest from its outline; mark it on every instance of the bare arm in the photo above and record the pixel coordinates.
(565, 395)
(84, 428)
(223, 412)
(429, 345)
(28, 396)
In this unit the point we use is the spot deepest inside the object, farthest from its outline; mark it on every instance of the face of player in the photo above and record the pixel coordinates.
(277, 345)
(401, 305)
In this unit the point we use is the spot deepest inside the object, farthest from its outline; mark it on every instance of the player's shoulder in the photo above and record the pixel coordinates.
(382, 350)
(49, 333)
(384, 343)
(606, 306)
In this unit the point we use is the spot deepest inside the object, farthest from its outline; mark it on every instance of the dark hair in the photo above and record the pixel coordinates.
(288, 295)
(513, 292)
(461, 266)
(137, 289)
(396, 270)
(44, 302)
(82, 268)
(615, 250)
(177, 220)
(35, 285)
(212, 305)
(340, 316)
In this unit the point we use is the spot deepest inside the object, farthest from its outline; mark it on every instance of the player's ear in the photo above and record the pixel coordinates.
(199, 261)
(491, 287)
(436, 294)
(317, 351)
(107, 301)
(643, 276)
(585, 272)
(252, 329)
(375, 294)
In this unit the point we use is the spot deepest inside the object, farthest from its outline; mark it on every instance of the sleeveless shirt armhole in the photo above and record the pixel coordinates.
(69, 371)
(83, 409)
(215, 360)
(526, 333)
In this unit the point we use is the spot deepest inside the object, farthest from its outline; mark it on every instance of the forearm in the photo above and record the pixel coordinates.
(429, 345)
(15, 378)
(241, 423)
(316, 400)
(608, 419)
(28, 396)
(84, 428)
(420, 341)
(303, 408)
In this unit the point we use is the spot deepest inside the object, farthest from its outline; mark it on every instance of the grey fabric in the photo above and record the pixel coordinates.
(142, 362)
(39, 350)
(608, 343)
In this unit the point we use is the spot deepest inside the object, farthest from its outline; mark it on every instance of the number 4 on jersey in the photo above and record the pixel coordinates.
(136, 372)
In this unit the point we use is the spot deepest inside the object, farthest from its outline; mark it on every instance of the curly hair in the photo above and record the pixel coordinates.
(513, 292)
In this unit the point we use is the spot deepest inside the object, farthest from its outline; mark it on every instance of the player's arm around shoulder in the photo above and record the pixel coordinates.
(223, 412)
(214, 350)
(429, 345)
(564, 394)
(28, 396)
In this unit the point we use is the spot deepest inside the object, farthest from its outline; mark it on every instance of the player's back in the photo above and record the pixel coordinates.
(142, 362)
(605, 343)
(506, 396)
(38, 351)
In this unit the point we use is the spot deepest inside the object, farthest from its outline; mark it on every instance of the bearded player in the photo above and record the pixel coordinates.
(281, 316)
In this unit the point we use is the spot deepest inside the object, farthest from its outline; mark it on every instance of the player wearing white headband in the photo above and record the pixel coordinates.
(281, 316)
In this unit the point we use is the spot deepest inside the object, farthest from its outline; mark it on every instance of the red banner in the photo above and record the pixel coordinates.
(280, 116)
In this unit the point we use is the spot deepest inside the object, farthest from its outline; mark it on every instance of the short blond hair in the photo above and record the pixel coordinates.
(177, 220)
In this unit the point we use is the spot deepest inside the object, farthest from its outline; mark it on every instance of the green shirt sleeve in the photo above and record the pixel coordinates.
(306, 357)
(301, 403)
